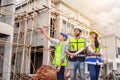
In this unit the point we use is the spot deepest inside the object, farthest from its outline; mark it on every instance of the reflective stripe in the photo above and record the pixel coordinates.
(81, 55)
(94, 63)
(93, 57)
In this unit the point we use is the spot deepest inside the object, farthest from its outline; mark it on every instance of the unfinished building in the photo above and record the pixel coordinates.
(23, 52)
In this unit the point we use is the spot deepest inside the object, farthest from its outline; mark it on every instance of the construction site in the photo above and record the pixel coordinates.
(23, 49)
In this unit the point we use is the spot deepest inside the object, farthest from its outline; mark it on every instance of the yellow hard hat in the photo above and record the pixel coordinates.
(94, 31)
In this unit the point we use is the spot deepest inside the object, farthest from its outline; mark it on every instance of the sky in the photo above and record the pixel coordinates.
(106, 13)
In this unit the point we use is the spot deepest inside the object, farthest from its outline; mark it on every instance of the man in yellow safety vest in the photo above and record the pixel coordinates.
(78, 62)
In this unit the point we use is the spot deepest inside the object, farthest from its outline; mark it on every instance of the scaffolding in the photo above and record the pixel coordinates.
(20, 39)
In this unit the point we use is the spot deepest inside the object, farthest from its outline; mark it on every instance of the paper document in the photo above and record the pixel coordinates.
(89, 48)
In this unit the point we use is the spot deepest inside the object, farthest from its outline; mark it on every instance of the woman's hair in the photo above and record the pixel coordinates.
(96, 43)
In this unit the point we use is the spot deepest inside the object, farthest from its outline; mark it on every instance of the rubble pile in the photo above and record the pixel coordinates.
(45, 72)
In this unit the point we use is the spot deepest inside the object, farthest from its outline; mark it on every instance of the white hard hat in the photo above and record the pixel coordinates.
(78, 27)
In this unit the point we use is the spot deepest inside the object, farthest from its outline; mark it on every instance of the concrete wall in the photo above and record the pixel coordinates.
(109, 46)
(74, 12)
(8, 11)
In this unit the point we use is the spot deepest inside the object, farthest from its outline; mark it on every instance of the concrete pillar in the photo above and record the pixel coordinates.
(26, 70)
(46, 52)
(114, 64)
(108, 69)
(46, 43)
(7, 58)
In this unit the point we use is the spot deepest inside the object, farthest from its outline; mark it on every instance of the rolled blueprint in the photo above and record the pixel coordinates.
(89, 48)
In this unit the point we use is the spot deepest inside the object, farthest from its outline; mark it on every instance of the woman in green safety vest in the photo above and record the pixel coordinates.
(94, 59)
(59, 56)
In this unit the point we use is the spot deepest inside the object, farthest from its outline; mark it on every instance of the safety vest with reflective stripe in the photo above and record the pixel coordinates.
(93, 59)
(76, 45)
(57, 55)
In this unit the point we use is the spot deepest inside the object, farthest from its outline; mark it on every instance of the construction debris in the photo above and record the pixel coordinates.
(45, 72)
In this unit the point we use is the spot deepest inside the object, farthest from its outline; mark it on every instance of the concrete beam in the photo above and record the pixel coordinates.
(6, 28)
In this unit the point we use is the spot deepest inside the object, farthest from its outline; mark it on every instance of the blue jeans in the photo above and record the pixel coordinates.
(73, 69)
(94, 71)
(60, 74)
